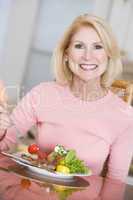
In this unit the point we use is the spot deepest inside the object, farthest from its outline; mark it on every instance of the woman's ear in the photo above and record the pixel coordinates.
(66, 59)
(66, 56)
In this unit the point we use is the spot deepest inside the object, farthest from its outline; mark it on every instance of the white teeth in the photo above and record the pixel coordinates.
(88, 66)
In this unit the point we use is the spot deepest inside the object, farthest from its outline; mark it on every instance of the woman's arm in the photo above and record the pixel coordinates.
(121, 155)
(23, 117)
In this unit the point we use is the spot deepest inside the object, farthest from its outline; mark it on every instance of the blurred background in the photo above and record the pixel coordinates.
(30, 30)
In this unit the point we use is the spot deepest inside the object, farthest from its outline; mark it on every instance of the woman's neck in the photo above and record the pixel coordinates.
(87, 91)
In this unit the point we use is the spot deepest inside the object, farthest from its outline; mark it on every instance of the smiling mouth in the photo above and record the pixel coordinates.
(87, 67)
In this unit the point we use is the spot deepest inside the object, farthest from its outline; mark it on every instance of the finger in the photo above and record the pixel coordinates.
(5, 119)
(5, 125)
(4, 115)
(3, 110)
(3, 128)
(3, 104)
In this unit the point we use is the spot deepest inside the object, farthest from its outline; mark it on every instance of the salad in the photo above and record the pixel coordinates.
(60, 160)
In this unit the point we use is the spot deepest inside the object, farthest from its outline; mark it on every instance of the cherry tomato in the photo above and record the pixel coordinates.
(33, 149)
(41, 155)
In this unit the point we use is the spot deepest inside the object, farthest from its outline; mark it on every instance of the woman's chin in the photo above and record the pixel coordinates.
(85, 80)
(88, 78)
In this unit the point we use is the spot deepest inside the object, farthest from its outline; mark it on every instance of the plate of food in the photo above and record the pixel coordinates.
(59, 163)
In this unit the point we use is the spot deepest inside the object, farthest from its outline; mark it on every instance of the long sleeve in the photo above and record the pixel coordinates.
(23, 117)
(121, 155)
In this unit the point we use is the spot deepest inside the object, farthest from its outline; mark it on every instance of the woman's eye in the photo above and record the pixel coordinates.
(98, 46)
(79, 46)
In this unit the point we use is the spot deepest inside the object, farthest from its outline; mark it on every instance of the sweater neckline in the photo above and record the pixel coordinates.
(68, 96)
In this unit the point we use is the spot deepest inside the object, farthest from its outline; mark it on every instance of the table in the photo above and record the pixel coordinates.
(17, 183)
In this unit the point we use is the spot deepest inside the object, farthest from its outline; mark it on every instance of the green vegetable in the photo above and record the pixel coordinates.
(71, 155)
(73, 163)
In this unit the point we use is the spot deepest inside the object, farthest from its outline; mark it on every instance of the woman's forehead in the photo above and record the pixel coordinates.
(86, 34)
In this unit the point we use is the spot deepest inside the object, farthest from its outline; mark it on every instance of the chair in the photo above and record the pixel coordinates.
(124, 89)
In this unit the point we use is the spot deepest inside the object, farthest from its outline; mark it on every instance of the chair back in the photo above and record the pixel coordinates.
(124, 89)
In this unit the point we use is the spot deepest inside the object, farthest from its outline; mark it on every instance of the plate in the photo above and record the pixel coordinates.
(76, 182)
(45, 172)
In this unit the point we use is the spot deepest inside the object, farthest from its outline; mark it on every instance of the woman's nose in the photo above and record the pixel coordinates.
(88, 54)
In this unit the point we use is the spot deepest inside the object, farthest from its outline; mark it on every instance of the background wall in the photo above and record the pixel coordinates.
(34, 28)
(4, 17)
(20, 28)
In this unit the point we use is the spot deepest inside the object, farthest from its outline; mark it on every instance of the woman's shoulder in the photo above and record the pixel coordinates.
(46, 90)
(47, 85)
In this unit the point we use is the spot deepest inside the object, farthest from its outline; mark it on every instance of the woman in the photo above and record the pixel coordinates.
(78, 110)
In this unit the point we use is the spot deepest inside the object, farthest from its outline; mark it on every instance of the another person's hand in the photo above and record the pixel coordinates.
(5, 121)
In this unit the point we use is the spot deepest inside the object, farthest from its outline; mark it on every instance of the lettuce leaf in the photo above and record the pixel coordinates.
(74, 164)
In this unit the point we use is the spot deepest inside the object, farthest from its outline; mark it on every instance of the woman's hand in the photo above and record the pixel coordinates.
(5, 121)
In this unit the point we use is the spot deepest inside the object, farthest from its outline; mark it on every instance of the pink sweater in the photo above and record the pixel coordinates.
(94, 129)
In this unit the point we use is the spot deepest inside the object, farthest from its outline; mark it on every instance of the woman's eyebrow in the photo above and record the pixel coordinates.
(99, 42)
(78, 41)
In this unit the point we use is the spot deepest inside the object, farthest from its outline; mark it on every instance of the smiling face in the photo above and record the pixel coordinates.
(86, 55)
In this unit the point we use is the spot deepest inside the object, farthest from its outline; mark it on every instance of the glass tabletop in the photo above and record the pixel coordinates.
(17, 183)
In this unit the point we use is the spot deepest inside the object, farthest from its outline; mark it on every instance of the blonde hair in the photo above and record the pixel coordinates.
(63, 73)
